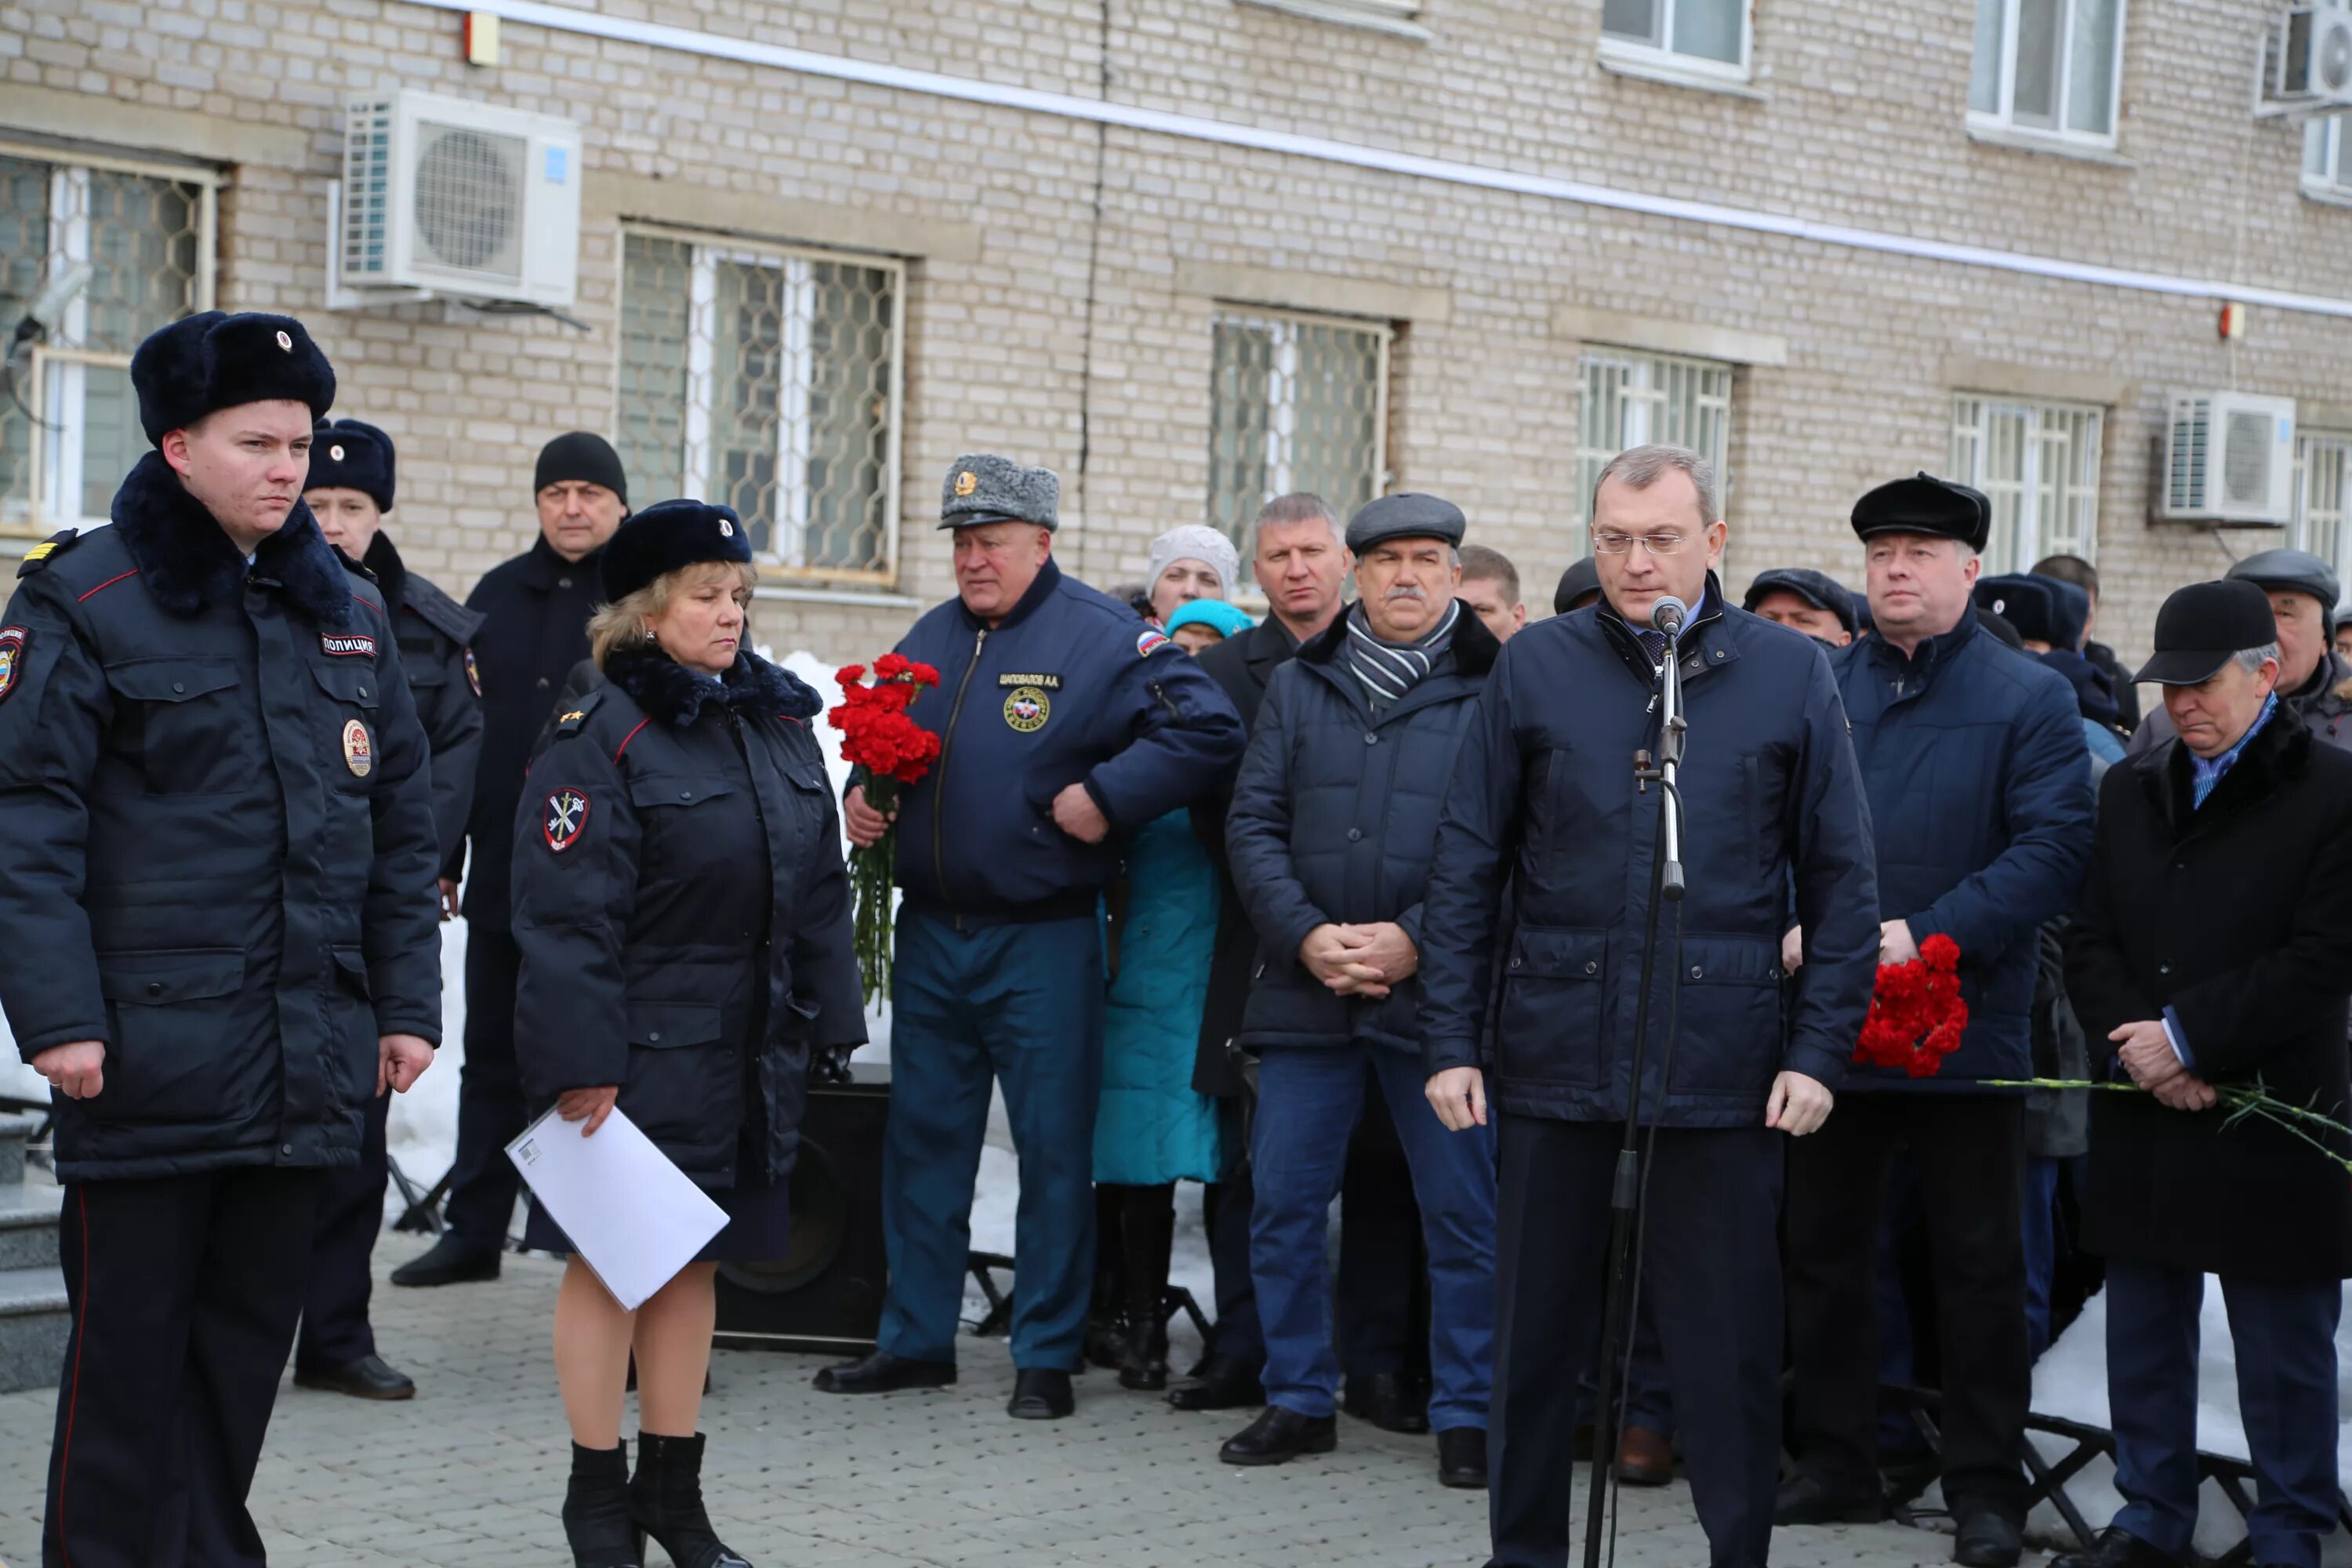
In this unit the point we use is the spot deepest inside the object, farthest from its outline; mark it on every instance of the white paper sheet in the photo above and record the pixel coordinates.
(632, 1214)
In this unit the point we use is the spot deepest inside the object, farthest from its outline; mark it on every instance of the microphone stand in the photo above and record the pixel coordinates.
(1630, 1183)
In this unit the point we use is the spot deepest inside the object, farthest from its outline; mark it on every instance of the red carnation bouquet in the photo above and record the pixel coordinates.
(895, 752)
(1916, 1018)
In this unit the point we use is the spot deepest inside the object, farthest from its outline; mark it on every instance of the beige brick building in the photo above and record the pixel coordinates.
(1190, 252)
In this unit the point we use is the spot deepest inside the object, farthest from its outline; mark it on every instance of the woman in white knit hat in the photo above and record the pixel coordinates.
(1194, 562)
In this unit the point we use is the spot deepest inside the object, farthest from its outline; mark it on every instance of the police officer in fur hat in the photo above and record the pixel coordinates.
(348, 491)
(216, 861)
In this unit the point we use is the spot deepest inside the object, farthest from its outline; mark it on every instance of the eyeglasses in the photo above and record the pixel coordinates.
(1608, 541)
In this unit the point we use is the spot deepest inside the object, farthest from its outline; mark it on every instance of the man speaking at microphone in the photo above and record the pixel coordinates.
(1547, 818)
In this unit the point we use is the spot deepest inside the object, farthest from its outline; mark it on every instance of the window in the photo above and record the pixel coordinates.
(69, 423)
(2327, 160)
(1296, 402)
(1633, 399)
(2050, 66)
(2039, 465)
(2322, 496)
(1398, 17)
(766, 379)
(1708, 37)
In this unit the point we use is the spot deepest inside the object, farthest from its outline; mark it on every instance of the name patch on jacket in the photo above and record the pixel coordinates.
(347, 645)
(12, 657)
(1042, 682)
(565, 815)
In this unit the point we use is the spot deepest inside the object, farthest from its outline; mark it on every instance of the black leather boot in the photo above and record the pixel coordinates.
(596, 1510)
(666, 1502)
(1146, 1237)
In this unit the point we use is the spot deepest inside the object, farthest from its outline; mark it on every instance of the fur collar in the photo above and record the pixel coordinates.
(188, 563)
(676, 695)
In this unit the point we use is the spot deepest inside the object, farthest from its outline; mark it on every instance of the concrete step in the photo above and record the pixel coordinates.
(14, 1132)
(28, 1226)
(33, 1324)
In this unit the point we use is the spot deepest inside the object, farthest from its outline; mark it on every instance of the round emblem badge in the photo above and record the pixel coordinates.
(726, 529)
(335, 454)
(1027, 710)
(359, 754)
(286, 342)
(967, 482)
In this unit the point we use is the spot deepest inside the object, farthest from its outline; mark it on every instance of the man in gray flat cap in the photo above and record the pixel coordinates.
(2312, 688)
(1066, 724)
(1333, 821)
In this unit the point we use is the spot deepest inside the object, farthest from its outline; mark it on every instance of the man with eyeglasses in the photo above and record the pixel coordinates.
(1546, 816)
(1979, 786)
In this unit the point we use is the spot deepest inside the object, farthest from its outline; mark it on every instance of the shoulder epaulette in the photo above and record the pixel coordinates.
(439, 611)
(38, 556)
(568, 722)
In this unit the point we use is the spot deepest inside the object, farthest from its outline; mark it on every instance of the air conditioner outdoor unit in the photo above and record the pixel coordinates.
(2307, 61)
(2229, 458)
(458, 199)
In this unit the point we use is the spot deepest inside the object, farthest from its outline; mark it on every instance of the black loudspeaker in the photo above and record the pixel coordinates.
(826, 1295)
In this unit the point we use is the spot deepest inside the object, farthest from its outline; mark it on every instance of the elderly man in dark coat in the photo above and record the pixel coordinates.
(2313, 676)
(2213, 951)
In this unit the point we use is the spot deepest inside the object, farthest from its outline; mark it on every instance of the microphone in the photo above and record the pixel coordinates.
(1668, 614)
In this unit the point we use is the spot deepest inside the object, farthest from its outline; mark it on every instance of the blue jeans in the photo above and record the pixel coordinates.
(1022, 1004)
(2286, 1340)
(1308, 1099)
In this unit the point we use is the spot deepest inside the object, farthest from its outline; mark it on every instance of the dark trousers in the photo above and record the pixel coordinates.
(1381, 1295)
(184, 1291)
(335, 1329)
(2286, 1340)
(1225, 1215)
(490, 1108)
(1968, 1151)
(1712, 1271)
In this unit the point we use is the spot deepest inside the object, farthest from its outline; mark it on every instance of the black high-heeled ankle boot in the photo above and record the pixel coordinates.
(596, 1510)
(666, 1502)
(1147, 1231)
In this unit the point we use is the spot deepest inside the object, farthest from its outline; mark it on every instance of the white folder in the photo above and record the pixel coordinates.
(629, 1211)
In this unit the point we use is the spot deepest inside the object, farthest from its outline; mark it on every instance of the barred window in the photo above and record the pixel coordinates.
(128, 247)
(2322, 497)
(2039, 465)
(766, 378)
(1633, 399)
(1296, 402)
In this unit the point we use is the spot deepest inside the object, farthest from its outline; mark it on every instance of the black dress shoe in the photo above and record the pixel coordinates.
(1220, 1382)
(2115, 1549)
(451, 1260)
(366, 1378)
(1461, 1458)
(1986, 1539)
(1807, 1500)
(1387, 1401)
(1644, 1458)
(1278, 1437)
(1041, 1393)
(883, 1373)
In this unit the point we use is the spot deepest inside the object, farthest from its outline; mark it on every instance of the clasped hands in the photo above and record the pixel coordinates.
(2146, 1053)
(1359, 960)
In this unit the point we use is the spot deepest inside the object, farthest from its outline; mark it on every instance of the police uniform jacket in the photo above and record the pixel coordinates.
(683, 912)
(217, 845)
(2236, 917)
(1073, 687)
(1979, 784)
(435, 635)
(1333, 821)
(534, 611)
(1543, 807)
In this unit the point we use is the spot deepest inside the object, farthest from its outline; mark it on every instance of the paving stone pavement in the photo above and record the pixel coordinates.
(471, 1472)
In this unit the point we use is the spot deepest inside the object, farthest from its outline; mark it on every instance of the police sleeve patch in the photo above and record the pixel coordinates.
(473, 673)
(563, 818)
(1151, 642)
(13, 643)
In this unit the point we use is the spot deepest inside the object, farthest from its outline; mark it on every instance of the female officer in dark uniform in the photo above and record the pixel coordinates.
(683, 916)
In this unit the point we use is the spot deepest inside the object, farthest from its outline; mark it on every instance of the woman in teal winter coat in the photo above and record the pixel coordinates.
(1152, 1130)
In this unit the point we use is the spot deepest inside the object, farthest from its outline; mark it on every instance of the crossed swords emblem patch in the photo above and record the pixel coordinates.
(566, 815)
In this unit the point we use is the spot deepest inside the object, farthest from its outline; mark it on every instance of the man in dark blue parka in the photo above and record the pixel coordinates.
(1333, 820)
(1545, 815)
(1065, 724)
(1980, 793)
(216, 859)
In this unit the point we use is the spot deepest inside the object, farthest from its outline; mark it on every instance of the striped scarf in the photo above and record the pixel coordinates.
(1387, 671)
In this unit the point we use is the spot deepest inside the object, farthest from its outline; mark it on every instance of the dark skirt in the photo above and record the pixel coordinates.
(759, 1227)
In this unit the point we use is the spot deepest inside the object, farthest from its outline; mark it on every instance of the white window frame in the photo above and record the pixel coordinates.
(1663, 60)
(2324, 459)
(2001, 123)
(789, 527)
(1973, 413)
(2333, 181)
(58, 369)
(1643, 424)
(1401, 18)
